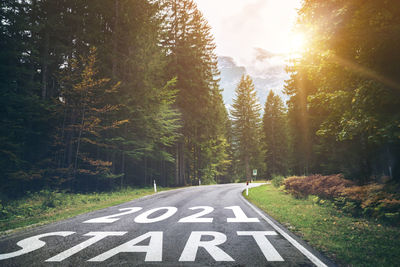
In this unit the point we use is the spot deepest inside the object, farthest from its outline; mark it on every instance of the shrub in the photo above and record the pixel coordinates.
(374, 200)
(328, 187)
(50, 199)
(277, 180)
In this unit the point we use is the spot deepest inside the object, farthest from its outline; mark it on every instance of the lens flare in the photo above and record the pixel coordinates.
(296, 44)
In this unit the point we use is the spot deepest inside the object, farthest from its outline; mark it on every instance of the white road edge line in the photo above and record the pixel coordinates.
(296, 244)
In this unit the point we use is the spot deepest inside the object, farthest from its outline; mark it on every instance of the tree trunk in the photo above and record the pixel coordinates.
(163, 174)
(122, 168)
(247, 168)
(273, 147)
(123, 157)
(70, 139)
(180, 164)
(145, 170)
(177, 164)
(45, 65)
(61, 158)
(79, 141)
(115, 39)
(182, 173)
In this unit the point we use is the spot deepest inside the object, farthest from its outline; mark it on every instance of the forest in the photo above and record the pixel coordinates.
(98, 95)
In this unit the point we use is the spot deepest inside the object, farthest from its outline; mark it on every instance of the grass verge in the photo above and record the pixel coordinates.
(347, 240)
(46, 206)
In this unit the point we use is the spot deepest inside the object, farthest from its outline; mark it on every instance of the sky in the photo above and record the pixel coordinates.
(241, 25)
(257, 34)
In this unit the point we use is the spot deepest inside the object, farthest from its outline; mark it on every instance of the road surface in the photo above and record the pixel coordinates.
(196, 226)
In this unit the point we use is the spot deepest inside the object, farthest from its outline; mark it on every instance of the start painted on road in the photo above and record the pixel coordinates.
(209, 241)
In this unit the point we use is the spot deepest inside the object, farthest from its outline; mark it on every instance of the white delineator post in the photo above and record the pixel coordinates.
(199, 182)
(247, 188)
(155, 187)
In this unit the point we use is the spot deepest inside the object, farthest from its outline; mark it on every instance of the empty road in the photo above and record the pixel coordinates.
(196, 226)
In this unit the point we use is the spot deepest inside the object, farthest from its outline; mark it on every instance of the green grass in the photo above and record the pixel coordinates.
(345, 239)
(46, 206)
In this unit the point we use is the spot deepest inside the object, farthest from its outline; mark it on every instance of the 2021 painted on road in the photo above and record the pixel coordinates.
(154, 249)
(206, 225)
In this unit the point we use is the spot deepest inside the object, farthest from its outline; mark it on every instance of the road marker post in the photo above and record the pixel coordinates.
(247, 188)
(155, 187)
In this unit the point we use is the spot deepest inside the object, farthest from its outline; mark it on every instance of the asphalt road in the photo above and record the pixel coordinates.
(196, 226)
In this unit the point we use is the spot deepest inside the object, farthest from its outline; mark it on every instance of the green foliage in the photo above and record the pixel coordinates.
(47, 206)
(277, 180)
(202, 149)
(85, 124)
(275, 136)
(98, 95)
(246, 126)
(346, 239)
(26, 122)
(372, 200)
(344, 105)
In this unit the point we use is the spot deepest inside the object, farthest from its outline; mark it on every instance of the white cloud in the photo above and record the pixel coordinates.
(240, 25)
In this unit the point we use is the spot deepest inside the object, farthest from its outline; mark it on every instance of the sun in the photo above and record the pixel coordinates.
(294, 44)
(297, 42)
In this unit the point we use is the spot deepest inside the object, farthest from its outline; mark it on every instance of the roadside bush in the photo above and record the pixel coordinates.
(50, 199)
(277, 180)
(373, 200)
(327, 187)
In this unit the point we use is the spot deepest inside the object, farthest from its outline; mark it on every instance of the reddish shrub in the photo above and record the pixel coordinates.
(372, 200)
(362, 193)
(328, 187)
(373, 196)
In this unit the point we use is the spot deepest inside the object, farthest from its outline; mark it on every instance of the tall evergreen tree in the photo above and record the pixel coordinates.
(299, 126)
(39, 41)
(246, 125)
(147, 92)
(274, 136)
(161, 55)
(25, 120)
(217, 148)
(193, 61)
(82, 136)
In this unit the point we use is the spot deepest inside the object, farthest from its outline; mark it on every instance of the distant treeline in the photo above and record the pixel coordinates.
(343, 115)
(343, 112)
(103, 94)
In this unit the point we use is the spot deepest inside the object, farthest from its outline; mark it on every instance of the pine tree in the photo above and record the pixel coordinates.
(25, 120)
(193, 61)
(246, 124)
(217, 148)
(160, 53)
(142, 150)
(274, 136)
(84, 103)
